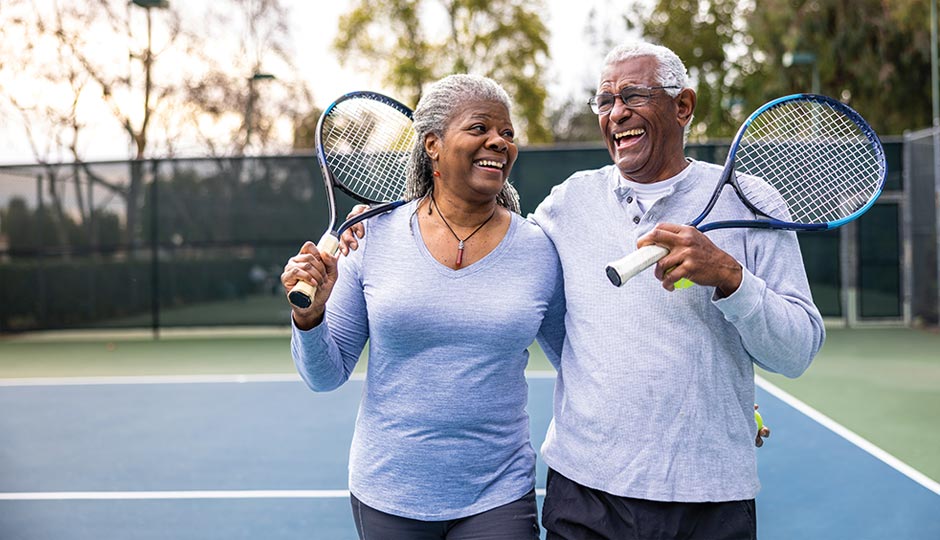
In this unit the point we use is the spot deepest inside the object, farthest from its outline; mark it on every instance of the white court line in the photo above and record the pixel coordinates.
(188, 379)
(849, 435)
(143, 495)
(535, 374)
(790, 400)
(153, 379)
(182, 495)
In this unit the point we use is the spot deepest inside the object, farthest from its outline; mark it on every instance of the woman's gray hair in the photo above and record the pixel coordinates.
(434, 113)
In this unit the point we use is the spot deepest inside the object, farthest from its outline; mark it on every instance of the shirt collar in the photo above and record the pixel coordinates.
(624, 187)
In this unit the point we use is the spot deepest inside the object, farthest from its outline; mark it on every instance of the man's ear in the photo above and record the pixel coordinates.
(685, 106)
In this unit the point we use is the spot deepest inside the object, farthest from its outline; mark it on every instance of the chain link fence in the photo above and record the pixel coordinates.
(201, 242)
(921, 174)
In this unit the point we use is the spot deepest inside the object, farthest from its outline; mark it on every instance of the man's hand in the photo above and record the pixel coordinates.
(762, 433)
(694, 257)
(348, 240)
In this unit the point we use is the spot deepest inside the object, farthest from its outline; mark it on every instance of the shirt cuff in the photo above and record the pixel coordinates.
(317, 332)
(744, 301)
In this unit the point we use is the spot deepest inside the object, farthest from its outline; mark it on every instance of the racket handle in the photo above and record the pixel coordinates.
(620, 271)
(302, 293)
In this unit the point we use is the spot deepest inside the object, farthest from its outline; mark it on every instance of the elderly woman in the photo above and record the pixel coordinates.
(449, 290)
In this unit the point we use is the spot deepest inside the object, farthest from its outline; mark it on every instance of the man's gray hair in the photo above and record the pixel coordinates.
(433, 115)
(671, 71)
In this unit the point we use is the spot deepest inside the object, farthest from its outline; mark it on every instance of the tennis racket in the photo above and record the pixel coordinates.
(803, 162)
(363, 142)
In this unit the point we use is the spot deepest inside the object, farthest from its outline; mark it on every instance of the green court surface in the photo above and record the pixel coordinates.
(137, 353)
(248, 310)
(881, 383)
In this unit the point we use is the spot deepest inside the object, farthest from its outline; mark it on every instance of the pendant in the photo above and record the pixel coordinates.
(459, 253)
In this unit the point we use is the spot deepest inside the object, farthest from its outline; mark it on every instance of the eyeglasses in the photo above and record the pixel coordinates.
(632, 97)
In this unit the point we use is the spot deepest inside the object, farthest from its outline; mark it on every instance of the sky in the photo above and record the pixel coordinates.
(573, 66)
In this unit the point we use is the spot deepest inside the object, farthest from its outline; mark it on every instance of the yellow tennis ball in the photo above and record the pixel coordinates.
(683, 284)
(759, 420)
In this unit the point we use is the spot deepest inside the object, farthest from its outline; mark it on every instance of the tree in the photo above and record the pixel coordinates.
(83, 81)
(871, 54)
(710, 45)
(572, 120)
(258, 92)
(502, 39)
(160, 79)
(170, 77)
(305, 130)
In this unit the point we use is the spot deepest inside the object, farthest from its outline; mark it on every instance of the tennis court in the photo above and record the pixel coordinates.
(214, 436)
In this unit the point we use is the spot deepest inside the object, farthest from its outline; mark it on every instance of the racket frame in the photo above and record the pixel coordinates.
(329, 180)
(620, 271)
(301, 295)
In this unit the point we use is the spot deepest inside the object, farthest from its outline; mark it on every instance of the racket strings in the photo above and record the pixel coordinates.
(808, 201)
(821, 165)
(367, 144)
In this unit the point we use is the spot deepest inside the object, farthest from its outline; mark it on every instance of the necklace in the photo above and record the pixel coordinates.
(460, 243)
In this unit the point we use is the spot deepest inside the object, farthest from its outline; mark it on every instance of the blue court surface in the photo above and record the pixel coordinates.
(262, 457)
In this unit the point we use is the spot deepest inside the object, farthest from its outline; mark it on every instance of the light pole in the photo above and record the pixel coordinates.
(141, 142)
(148, 65)
(250, 106)
(804, 58)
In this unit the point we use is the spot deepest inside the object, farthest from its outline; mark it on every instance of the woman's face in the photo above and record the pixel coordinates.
(477, 152)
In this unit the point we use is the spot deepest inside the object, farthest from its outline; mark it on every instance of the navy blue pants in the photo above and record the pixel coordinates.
(517, 520)
(575, 512)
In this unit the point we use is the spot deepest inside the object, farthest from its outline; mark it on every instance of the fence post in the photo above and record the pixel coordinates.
(43, 311)
(154, 251)
(936, 204)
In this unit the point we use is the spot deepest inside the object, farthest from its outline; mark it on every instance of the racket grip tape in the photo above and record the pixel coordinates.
(621, 270)
(301, 295)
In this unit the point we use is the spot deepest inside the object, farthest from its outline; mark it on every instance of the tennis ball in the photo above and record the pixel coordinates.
(759, 420)
(683, 284)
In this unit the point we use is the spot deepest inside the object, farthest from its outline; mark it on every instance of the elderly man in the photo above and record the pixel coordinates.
(653, 428)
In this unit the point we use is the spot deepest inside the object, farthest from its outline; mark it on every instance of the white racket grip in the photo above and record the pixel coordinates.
(302, 293)
(328, 244)
(621, 270)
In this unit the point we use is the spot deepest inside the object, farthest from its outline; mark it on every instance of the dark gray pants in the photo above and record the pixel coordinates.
(514, 521)
(575, 512)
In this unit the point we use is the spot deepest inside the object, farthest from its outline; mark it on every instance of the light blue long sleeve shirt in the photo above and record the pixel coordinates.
(442, 431)
(655, 394)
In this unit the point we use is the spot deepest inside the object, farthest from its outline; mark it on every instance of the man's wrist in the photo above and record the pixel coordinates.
(730, 284)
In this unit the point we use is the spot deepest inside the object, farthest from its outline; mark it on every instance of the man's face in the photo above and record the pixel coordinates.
(646, 141)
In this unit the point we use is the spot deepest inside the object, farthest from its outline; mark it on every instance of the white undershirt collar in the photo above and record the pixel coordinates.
(647, 194)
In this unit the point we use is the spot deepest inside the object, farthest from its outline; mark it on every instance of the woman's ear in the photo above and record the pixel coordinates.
(432, 145)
